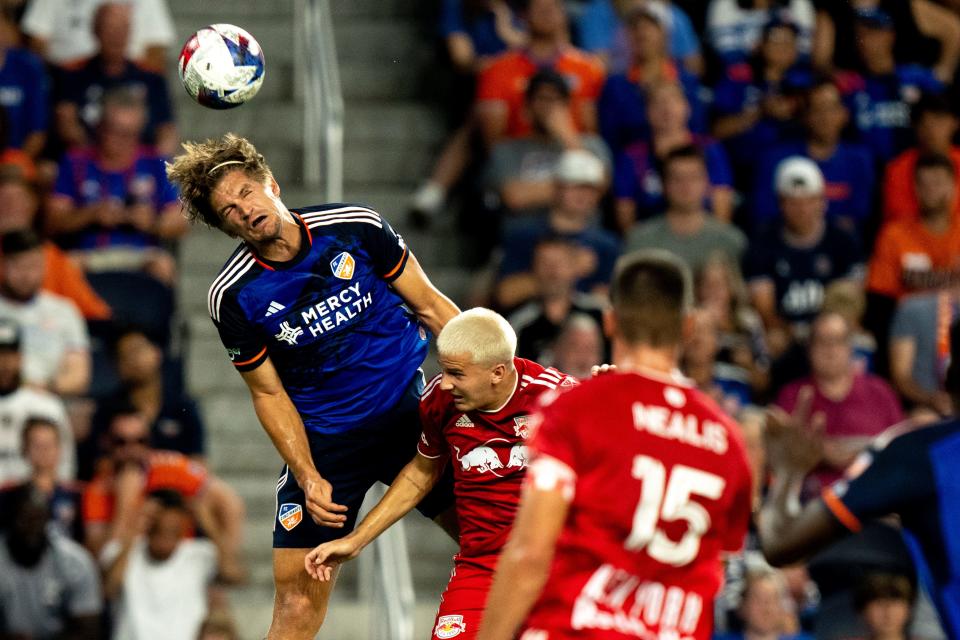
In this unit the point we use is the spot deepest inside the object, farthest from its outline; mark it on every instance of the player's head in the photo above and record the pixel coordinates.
(651, 294)
(169, 524)
(40, 442)
(226, 184)
(476, 351)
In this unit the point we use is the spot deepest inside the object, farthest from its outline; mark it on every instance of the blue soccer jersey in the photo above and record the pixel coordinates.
(341, 340)
(915, 477)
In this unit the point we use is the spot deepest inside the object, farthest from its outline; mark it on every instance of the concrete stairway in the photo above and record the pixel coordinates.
(385, 54)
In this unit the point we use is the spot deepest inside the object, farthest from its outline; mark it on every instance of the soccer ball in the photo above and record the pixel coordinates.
(221, 66)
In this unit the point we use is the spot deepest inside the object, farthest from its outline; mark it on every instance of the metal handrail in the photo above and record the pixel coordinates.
(319, 74)
(386, 583)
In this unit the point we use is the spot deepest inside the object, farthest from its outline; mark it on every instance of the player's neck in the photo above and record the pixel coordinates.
(641, 358)
(287, 245)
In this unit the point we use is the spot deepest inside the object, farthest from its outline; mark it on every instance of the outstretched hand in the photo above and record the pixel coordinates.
(794, 441)
(322, 562)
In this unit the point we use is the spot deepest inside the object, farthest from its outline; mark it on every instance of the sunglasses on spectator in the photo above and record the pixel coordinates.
(119, 442)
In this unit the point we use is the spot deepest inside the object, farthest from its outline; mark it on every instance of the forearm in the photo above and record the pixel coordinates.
(284, 426)
(73, 377)
(63, 218)
(113, 574)
(515, 289)
(411, 485)
(436, 315)
(521, 194)
(518, 583)
(780, 511)
(34, 142)
(729, 126)
(171, 224)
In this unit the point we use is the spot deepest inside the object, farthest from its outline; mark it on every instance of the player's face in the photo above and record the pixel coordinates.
(250, 209)
(472, 386)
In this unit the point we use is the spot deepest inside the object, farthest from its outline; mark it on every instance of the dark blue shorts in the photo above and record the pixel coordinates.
(352, 462)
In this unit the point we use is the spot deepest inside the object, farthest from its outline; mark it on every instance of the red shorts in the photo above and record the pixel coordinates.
(461, 605)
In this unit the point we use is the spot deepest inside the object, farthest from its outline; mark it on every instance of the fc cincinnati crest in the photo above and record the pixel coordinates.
(290, 515)
(520, 426)
(342, 266)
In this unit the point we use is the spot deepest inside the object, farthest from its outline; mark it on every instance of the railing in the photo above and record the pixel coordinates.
(318, 76)
(386, 583)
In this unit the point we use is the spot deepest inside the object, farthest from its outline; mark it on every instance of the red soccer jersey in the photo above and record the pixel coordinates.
(659, 485)
(488, 453)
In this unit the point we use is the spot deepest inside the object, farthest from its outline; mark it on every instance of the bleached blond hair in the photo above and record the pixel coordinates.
(484, 334)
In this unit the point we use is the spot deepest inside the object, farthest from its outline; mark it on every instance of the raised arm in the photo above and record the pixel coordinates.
(282, 423)
(432, 307)
(411, 485)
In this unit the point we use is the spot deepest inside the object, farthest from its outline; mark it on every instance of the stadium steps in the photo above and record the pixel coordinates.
(386, 50)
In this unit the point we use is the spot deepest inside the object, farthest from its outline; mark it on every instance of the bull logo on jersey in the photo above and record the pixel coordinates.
(449, 626)
(290, 515)
(342, 266)
(288, 334)
(482, 459)
(486, 459)
(520, 426)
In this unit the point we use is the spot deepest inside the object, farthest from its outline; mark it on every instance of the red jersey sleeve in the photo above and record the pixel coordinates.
(432, 442)
(554, 430)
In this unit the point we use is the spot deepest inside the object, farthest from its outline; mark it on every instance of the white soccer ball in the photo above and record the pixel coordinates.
(221, 66)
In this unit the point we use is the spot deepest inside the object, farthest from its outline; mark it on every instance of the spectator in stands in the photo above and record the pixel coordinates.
(19, 204)
(539, 322)
(79, 107)
(726, 383)
(112, 204)
(521, 171)
(847, 168)
(913, 255)
(63, 33)
(853, 407)
(734, 27)
(579, 346)
(175, 422)
(24, 96)
(721, 292)
(476, 31)
(574, 216)
(638, 182)
(884, 602)
(927, 34)
(686, 228)
(19, 404)
(935, 126)
(601, 31)
(157, 576)
(501, 85)
(43, 454)
(765, 608)
(848, 298)
(56, 347)
(756, 102)
(880, 96)
(920, 348)
(49, 584)
(623, 103)
(133, 469)
(789, 264)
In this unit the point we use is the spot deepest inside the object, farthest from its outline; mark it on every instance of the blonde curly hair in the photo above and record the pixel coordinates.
(198, 170)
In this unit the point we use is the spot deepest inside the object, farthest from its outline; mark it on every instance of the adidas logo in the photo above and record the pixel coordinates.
(464, 422)
(274, 308)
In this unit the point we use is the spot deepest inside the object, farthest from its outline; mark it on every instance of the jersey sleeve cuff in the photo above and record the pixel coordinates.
(840, 511)
(547, 473)
(252, 363)
(427, 454)
(394, 273)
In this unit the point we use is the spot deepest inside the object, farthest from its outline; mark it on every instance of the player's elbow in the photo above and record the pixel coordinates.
(527, 559)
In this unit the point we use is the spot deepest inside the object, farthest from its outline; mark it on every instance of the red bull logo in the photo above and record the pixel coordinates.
(342, 266)
(290, 515)
(449, 627)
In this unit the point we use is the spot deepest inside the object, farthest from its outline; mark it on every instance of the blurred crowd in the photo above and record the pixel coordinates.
(799, 155)
(111, 525)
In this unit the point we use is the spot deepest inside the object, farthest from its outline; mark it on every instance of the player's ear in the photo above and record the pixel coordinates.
(499, 372)
(274, 185)
(609, 323)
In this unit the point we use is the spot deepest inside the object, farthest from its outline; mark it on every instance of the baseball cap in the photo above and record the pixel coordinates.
(799, 176)
(579, 167)
(656, 11)
(780, 19)
(875, 17)
(9, 335)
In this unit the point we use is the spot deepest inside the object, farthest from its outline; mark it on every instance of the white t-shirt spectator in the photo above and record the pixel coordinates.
(15, 409)
(67, 27)
(163, 599)
(37, 602)
(52, 327)
(734, 32)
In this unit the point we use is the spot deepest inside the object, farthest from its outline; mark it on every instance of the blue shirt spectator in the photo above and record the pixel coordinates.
(480, 25)
(24, 96)
(734, 29)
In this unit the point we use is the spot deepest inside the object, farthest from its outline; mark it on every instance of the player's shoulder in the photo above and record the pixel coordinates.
(239, 268)
(329, 216)
(534, 378)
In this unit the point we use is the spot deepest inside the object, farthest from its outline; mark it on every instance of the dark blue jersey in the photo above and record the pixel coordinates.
(915, 477)
(343, 343)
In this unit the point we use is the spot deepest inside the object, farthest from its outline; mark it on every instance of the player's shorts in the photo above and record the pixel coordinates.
(352, 462)
(462, 602)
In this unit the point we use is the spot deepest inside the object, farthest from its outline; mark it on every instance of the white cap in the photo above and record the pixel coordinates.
(580, 167)
(799, 176)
